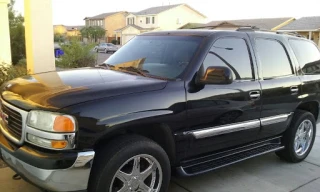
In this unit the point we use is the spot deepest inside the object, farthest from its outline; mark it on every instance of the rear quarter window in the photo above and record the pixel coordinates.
(308, 56)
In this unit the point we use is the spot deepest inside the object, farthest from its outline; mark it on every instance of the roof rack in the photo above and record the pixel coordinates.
(248, 28)
(291, 33)
(254, 28)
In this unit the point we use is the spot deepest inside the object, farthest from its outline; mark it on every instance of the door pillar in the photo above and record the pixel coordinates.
(5, 47)
(39, 36)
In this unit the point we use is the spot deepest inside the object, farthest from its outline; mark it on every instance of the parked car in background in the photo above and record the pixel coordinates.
(188, 101)
(106, 48)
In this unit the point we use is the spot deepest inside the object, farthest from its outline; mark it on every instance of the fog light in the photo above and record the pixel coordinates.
(51, 144)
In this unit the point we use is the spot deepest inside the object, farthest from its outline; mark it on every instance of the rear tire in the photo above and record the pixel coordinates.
(120, 156)
(299, 137)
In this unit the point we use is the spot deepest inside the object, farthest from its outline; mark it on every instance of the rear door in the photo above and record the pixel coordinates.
(222, 116)
(281, 87)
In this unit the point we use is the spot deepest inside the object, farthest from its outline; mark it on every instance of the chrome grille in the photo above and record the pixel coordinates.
(14, 122)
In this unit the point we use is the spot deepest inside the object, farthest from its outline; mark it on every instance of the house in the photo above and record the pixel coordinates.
(108, 21)
(167, 17)
(67, 31)
(262, 23)
(306, 26)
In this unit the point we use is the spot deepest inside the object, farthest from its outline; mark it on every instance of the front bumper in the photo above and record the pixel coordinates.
(47, 174)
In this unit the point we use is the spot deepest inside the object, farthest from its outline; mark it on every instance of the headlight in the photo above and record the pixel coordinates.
(51, 122)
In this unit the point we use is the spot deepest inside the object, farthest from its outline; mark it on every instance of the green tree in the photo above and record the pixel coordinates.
(59, 38)
(93, 33)
(17, 34)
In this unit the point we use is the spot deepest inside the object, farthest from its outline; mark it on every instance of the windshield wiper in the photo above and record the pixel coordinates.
(135, 70)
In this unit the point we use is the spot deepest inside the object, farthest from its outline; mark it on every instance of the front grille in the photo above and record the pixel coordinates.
(14, 125)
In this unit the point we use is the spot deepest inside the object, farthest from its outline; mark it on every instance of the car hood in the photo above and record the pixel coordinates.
(56, 90)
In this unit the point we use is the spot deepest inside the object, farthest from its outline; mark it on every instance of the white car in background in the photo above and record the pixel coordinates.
(106, 48)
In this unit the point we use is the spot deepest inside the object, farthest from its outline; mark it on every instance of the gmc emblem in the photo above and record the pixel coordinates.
(4, 116)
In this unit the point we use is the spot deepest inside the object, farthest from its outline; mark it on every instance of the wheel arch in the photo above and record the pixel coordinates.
(310, 106)
(159, 133)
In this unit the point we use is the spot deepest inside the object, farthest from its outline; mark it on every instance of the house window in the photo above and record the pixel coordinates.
(130, 21)
(153, 20)
(178, 21)
(147, 20)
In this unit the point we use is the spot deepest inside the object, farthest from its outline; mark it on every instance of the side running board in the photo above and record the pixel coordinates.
(217, 160)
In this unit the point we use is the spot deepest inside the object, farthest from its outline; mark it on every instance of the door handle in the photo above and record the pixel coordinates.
(294, 89)
(254, 95)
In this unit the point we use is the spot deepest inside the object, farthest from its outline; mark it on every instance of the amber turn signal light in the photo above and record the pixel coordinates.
(63, 124)
(59, 144)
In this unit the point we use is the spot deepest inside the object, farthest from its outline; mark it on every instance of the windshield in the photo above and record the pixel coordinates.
(159, 56)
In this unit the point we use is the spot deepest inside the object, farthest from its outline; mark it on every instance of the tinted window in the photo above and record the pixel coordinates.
(308, 56)
(232, 53)
(273, 58)
(164, 56)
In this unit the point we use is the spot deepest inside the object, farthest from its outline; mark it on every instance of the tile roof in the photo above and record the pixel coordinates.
(262, 23)
(156, 10)
(69, 28)
(79, 27)
(102, 16)
(304, 23)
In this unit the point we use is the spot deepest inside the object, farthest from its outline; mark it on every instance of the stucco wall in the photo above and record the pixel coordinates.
(60, 29)
(114, 22)
(5, 53)
(168, 19)
(131, 31)
(143, 21)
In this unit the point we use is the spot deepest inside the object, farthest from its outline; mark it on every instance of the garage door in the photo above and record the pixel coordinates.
(126, 38)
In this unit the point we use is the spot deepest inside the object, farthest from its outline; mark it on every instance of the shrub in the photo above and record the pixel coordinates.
(8, 72)
(22, 62)
(76, 55)
(114, 41)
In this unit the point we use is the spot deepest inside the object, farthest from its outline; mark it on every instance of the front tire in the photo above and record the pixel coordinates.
(130, 163)
(299, 138)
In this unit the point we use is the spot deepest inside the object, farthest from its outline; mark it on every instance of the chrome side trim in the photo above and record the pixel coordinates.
(24, 115)
(74, 178)
(70, 137)
(275, 119)
(214, 131)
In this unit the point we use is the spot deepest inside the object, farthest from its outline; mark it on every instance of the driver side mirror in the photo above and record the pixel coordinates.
(217, 75)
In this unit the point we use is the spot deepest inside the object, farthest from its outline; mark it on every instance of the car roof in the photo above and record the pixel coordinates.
(208, 32)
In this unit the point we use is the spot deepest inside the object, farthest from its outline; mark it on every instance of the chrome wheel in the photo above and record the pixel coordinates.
(303, 137)
(141, 173)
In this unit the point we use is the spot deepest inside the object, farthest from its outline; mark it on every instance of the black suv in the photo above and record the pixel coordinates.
(183, 102)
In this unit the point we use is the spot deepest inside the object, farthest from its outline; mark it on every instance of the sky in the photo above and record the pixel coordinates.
(72, 12)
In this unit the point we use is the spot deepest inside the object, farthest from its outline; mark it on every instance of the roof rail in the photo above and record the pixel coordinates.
(248, 28)
(291, 33)
(254, 28)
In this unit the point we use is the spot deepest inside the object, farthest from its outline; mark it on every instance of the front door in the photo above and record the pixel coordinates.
(222, 116)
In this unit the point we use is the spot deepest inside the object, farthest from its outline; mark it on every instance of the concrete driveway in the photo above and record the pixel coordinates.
(262, 174)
